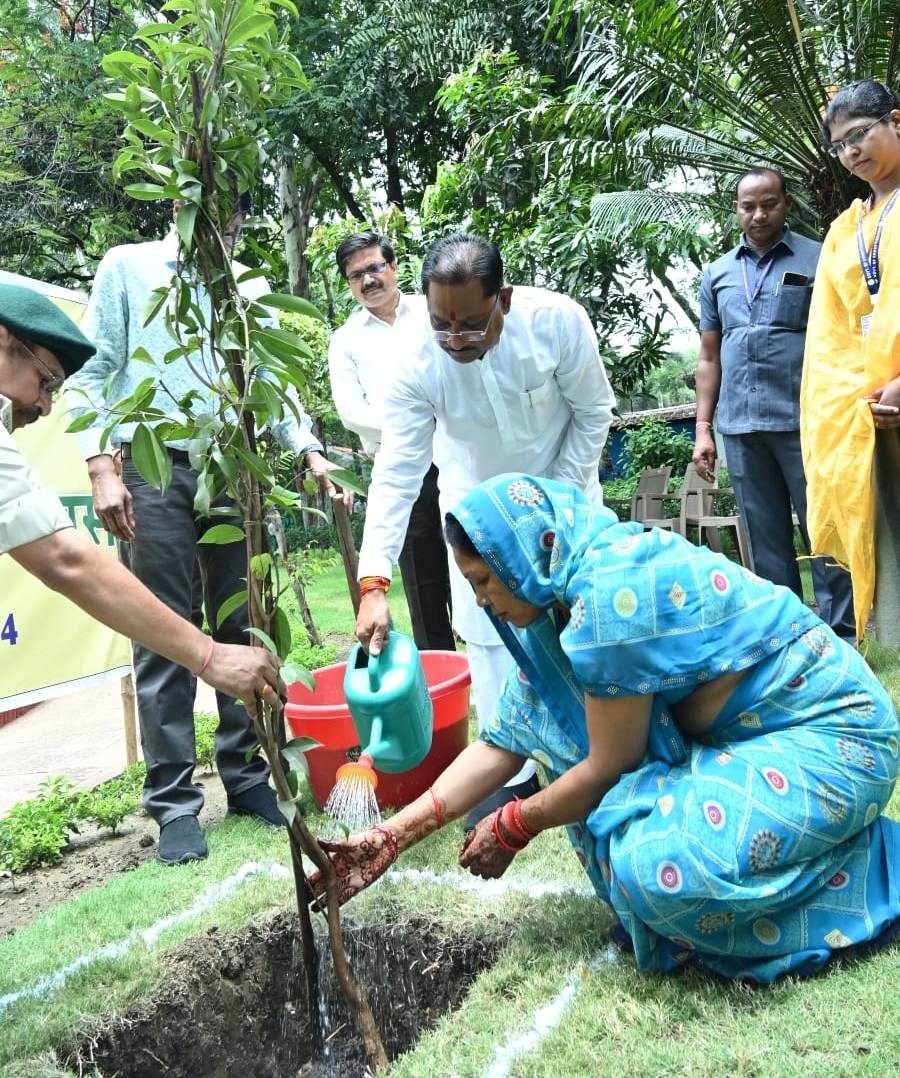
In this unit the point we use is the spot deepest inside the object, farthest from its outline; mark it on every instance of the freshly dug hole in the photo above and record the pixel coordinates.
(236, 1005)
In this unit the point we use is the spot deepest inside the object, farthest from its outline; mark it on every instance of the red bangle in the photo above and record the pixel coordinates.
(390, 839)
(501, 839)
(438, 811)
(513, 820)
(212, 644)
(512, 823)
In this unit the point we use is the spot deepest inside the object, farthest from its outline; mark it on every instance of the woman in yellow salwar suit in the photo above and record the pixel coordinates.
(850, 398)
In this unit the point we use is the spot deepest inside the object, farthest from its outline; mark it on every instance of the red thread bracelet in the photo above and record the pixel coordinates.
(212, 644)
(438, 811)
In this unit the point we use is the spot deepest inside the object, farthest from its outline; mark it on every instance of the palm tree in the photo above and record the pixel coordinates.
(689, 94)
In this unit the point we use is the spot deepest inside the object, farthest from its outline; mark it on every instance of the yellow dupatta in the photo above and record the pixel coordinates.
(840, 368)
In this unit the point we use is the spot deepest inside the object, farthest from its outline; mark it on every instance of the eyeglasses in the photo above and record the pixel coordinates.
(835, 149)
(467, 336)
(373, 268)
(50, 382)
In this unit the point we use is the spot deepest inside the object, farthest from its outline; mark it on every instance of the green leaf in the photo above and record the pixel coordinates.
(141, 355)
(266, 639)
(254, 26)
(184, 223)
(342, 477)
(145, 192)
(157, 300)
(210, 108)
(293, 782)
(284, 301)
(151, 458)
(261, 566)
(301, 744)
(230, 605)
(81, 423)
(251, 754)
(222, 535)
(282, 629)
(288, 809)
(292, 672)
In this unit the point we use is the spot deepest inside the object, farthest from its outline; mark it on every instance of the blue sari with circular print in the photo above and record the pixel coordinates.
(755, 850)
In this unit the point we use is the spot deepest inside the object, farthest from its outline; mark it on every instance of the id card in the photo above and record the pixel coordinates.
(865, 324)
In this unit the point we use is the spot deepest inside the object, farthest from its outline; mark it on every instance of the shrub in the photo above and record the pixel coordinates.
(654, 445)
(35, 832)
(205, 725)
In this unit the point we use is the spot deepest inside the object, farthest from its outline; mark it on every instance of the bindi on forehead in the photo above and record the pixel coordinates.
(453, 316)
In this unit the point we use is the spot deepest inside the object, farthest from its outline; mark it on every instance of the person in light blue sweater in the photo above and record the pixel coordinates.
(159, 535)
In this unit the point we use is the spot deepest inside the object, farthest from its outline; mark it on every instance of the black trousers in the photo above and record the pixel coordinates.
(164, 556)
(426, 576)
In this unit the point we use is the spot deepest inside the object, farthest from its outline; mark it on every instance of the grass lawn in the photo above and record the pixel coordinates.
(558, 1002)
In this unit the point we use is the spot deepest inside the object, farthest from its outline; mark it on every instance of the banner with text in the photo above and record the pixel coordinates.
(48, 646)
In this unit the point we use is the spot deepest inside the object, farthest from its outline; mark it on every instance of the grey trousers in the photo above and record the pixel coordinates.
(766, 471)
(163, 556)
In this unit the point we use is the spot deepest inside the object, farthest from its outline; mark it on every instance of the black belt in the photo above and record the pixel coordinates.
(178, 456)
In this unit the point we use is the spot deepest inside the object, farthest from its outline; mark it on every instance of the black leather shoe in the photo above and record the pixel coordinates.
(498, 799)
(181, 840)
(260, 803)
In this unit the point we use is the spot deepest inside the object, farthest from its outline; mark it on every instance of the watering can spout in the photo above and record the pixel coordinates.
(389, 703)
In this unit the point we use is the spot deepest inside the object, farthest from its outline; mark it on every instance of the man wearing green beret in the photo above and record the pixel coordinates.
(39, 348)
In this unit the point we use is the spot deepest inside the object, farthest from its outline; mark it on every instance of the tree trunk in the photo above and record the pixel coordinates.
(394, 187)
(297, 205)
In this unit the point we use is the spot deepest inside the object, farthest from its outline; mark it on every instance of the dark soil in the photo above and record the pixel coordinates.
(235, 1006)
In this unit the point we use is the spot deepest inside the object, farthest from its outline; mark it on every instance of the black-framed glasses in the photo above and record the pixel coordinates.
(49, 381)
(374, 269)
(835, 149)
(467, 336)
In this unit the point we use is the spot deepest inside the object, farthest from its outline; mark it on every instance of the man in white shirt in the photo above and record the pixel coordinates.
(511, 380)
(160, 536)
(362, 358)
(39, 348)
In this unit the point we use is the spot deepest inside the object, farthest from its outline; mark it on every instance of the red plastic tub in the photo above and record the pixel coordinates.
(324, 716)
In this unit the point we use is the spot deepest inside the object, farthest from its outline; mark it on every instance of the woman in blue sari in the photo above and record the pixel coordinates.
(720, 758)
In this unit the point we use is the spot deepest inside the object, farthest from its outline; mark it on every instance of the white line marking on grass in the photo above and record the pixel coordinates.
(487, 888)
(213, 894)
(546, 1018)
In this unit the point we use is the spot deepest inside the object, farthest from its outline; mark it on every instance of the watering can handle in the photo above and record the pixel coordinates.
(374, 678)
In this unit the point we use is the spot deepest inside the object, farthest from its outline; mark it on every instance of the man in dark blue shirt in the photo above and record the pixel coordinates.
(754, 304)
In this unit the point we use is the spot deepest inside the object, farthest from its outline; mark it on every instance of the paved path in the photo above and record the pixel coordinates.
(81, 736)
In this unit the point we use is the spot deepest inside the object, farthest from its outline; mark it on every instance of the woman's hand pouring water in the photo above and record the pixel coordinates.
(358, 861)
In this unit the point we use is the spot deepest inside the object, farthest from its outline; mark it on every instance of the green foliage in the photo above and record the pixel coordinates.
(707, 89)
(674, 380)
(205, 725)
(60, 208)
(305, 654)
(654, 445)
(36, 831)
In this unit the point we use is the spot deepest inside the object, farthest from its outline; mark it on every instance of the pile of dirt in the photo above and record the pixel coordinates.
(235, 1006)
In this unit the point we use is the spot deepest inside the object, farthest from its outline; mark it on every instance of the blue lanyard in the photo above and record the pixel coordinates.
(868, 260)
(761, 276)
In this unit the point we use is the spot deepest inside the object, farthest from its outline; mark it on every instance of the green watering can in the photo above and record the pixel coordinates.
(389, 704)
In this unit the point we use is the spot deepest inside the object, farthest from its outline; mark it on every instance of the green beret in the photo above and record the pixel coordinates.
(28, 314)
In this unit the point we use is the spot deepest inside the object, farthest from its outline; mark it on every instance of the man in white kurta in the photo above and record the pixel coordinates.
(363, 357)
(510, 381)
